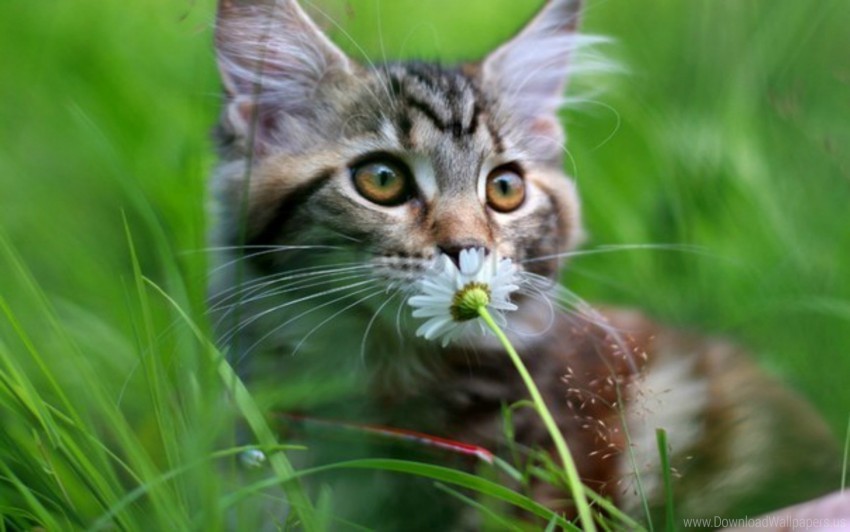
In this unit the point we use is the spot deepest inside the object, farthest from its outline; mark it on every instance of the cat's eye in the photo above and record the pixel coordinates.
(384, 182)
(505, 189)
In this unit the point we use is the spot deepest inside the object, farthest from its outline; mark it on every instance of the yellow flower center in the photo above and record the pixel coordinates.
(468, 300)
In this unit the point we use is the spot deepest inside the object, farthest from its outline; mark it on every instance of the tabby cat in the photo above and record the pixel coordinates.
(341, 183)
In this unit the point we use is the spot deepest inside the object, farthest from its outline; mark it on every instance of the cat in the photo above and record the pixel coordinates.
(340, 184)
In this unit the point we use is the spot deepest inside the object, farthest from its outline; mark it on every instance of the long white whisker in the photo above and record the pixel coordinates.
(256, 246)
(261, 282)
(303, 284)
(345, 237)
(571, 303)
(617, 125)
(268, 250)
(332, 317)
(372, 322)
(225, 338)
(536, 293)
(401, 307)
(275, 329)
(255, 285)
(565, 298)
(328, 278)
(624, 247)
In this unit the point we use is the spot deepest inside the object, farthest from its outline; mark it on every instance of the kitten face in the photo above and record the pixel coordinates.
(396, 163)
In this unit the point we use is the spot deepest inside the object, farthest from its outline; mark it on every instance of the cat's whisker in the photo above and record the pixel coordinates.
(354, 43)
(618, 124)
(227, 336)
(685, 248)
(345, 237)
(286, 275)
(540, 282)
(372, 322)
(560, 146)
(252, 318)
(572, 304)
(557, 295)
(333, 317)
(297, 317)
(255, 285)
(380, 26)
(564, 297)
(243, 247)
(330, 278)
(402, 305)
(262, 292)
(577, 311)
(533, 292)
(268, 250)
(242, 299)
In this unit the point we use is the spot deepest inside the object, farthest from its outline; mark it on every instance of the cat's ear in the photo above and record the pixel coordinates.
(528, 74)
(272, 58)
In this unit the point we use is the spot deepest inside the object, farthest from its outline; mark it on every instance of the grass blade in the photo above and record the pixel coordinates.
(439, 473)
(661, 438)
(254, 417)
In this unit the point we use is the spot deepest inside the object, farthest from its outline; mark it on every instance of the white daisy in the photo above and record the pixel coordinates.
(450, 296)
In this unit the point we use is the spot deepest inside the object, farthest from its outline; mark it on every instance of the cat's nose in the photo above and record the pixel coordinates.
(452, 249)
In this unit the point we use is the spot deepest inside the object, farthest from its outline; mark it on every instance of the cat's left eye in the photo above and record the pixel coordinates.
(384, 182)
(505, 189)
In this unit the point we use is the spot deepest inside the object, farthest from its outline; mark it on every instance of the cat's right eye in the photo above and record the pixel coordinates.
(505, 188)
(383, 181)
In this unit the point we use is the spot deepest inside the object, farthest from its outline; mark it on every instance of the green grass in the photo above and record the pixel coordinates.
(727, 134)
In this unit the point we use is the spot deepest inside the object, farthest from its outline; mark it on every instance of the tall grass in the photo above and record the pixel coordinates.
(725, 138)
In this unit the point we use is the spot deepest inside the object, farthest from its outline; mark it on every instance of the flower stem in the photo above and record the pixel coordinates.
(573, 480)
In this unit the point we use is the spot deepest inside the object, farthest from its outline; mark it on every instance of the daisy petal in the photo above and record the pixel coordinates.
(440, 286)
(428, 312)
(431, 327)
(427, 301)
(502, 305)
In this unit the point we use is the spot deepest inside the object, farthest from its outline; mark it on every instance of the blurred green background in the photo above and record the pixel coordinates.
(725, 134)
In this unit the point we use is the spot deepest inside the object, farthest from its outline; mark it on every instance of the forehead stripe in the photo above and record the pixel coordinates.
(498, 142)
(441, 103)
(428, 111)
(455, 127)
(473, 120)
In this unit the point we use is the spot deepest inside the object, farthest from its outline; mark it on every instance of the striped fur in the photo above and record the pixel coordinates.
(299, 115)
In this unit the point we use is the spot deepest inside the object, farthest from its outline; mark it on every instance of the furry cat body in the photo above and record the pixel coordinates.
(309, 252)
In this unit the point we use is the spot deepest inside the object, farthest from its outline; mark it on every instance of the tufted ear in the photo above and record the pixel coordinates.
(528, 74)
(272, 59)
